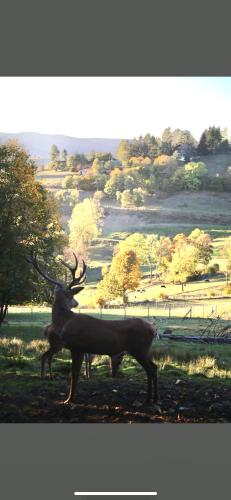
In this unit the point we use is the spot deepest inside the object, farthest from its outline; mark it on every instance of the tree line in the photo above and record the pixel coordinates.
(147, 165)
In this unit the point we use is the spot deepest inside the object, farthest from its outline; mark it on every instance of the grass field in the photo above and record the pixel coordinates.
(194, 379)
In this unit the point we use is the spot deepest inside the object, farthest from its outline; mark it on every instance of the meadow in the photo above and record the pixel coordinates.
(194, 379)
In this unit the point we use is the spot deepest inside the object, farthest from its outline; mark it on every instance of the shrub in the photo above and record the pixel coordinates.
(213, 269)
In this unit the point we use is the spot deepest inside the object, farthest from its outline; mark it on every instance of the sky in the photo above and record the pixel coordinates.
(114, 107)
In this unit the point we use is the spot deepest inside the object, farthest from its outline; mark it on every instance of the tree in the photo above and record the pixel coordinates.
(136, 242)
(194, 174)
(203, 242)
(115, 183)
(164, 252)
(123, 276)
(28, 219)
(184, 142)
(212, 142)
(67, 198)
(151, 242)
(70, 182)
(123, 150)
(132, 198)
(226, 251)
(183, 264)
(54, 156)
(85, 224)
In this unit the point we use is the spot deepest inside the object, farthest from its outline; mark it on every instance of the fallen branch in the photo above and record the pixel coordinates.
(190, 338)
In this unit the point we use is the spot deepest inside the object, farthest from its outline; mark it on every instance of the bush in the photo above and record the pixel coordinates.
(70, 182)
(213, 269)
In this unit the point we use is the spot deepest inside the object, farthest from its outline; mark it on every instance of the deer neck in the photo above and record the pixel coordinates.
(60, 314)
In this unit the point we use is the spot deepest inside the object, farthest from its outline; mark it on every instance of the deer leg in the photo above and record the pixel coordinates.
(115, 362)
(49, 365)
(44, 357)
(77, 360)
(87, 365)
(48, 355)
(90, 361)
(155, 381)
(149, 369)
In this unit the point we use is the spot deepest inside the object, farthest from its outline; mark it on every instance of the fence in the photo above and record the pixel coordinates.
(166, 309)
(169, 309)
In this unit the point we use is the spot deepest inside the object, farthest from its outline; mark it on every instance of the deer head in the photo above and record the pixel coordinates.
(64, 293)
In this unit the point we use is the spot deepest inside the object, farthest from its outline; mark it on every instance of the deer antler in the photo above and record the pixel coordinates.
(73, 269)
(32, 259)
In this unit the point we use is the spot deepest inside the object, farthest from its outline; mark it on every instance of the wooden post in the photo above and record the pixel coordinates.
(148, 311)
(169, 311)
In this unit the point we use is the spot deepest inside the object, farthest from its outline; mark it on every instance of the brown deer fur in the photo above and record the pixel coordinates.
(84, 333)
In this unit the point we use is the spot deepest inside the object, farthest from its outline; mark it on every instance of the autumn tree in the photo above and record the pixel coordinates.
(144, 246)
(226, 252)
(136, 242)
(164, 252)
(151, 243)
(203, 242)
(183, 264)
(28, 219)
(131, 198)
(124, 276)
(85, 224)
(115, 183)
(123, 150)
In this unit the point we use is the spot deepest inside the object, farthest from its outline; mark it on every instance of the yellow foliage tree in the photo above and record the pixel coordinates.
(123, 276)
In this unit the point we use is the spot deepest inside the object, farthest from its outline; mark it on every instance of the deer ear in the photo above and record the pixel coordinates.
(77, 289)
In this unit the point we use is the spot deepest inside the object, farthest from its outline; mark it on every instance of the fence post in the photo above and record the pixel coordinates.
(169, 311)
(148, 311)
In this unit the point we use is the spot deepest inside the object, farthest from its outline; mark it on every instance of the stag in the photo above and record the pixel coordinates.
(81, 333)
(61, 312)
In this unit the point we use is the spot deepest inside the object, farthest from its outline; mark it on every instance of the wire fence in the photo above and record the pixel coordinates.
(170, 309)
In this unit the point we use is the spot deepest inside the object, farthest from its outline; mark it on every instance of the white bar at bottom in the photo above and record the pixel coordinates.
(115, 493)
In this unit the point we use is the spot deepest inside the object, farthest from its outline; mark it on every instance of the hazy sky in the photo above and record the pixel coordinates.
(114, 107)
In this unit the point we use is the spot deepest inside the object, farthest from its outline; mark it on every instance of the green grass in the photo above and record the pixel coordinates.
(22, 343)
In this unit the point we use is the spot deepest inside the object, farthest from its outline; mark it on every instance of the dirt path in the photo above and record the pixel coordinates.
(117, 401)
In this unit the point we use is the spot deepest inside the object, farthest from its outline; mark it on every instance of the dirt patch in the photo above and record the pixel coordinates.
(119, 401)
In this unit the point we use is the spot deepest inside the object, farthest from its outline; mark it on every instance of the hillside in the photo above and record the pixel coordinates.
(39, 145)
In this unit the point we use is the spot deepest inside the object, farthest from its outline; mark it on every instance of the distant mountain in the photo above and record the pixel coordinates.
(39, 145)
